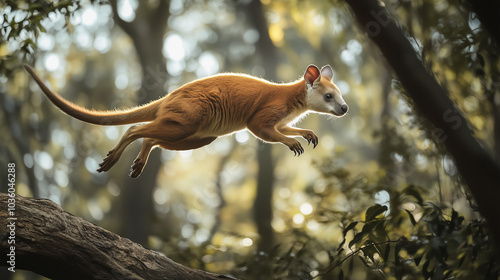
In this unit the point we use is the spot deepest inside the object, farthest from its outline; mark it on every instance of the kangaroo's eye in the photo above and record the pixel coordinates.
(328, 97)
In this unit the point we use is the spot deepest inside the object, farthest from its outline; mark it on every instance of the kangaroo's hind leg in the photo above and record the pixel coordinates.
(169, 129)
(114, 154)
(149, 144)
(155, 130)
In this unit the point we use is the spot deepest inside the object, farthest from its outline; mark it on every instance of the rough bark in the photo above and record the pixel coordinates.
(58, 245)
(476, 166)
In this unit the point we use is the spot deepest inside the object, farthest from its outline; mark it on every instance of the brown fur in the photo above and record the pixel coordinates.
(197, 113)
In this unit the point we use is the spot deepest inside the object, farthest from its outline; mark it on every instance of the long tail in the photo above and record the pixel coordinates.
(143, 113)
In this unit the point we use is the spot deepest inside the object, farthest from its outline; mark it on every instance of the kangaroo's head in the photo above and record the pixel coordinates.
(322, 95)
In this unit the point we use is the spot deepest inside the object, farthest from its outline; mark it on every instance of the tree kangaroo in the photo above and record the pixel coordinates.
(198, 112)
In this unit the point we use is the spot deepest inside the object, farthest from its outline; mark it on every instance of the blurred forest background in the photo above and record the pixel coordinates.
(377, 199)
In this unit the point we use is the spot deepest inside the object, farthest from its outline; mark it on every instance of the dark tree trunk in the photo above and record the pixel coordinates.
(476, 166)
(12, 114)
(58, 245)
(262, 207)
(496, 128)
(147, 32)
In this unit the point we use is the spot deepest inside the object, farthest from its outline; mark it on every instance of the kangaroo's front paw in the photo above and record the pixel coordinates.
(137, 167)
(311, 138)
(296, 148)
(108, 162)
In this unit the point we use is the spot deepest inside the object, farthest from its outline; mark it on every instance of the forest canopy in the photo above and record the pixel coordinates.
(382, 196)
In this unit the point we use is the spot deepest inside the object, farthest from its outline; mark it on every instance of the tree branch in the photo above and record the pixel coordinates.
(58, 245)
(159, 18)
(128, 27)
(147, 32)
(451, 130)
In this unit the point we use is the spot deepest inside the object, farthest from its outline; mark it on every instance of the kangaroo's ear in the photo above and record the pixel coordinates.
(312, 74)
(327, 71)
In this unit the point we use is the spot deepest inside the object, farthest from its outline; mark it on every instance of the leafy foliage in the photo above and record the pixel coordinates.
(20, 25)
(427, 242)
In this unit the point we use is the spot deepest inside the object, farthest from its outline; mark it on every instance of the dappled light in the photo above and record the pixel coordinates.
(379, 197)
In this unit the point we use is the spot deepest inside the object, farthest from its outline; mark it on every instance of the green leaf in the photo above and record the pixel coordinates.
(461, 258)
(412, 219)
(341, 245)
(387, 251)
(369, 226)
(340, 250)
(413, 191)
(417, 260)
(358, 237)
(374, 211)
(370, 251)
(349, 227)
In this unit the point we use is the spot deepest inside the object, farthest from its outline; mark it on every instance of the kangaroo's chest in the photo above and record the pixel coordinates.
(292, 118)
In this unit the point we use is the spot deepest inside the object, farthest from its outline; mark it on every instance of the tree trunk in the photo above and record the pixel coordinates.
(58, 245)
(147, 32)
(262, 207)
(12, 115)
(496, 127)
(476, 166)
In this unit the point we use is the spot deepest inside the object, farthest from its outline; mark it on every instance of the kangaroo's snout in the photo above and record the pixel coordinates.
(344, 108)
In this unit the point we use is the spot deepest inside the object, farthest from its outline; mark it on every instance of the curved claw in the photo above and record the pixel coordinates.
(311, 138)
(296, 148)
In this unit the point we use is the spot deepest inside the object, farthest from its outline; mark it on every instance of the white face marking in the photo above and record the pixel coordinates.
(325, 97)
